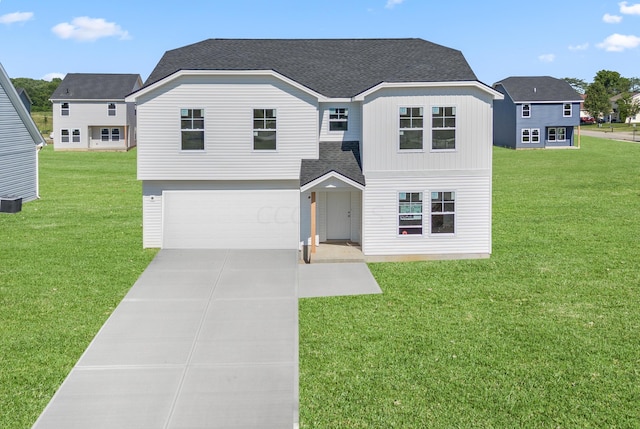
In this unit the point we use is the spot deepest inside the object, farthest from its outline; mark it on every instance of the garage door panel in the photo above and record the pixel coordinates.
(246, 219)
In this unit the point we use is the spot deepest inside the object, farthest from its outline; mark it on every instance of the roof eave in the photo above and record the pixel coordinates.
(496, 95)
(331, 175)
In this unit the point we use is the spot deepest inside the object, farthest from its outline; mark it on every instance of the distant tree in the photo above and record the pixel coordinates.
(597, 100)
(577, 84)
(39, 91)
(627, 107)
(612, 81)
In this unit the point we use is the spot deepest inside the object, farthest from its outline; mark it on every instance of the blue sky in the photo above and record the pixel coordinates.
(43, 38)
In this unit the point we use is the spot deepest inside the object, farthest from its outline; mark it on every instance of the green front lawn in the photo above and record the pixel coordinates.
(546, 333)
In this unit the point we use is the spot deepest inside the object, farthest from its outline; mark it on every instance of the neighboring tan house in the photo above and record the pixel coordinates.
(19, 143)
(615, 115)
(90, 112)
(536, 112)
(276, 144)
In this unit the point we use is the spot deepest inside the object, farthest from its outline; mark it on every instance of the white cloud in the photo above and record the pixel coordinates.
(392, 3)
(10, 18)
(582, 47)
(85, 29)
(547, 58)
(611, 19)
(619, 42)
(50, 76)
(634, 9)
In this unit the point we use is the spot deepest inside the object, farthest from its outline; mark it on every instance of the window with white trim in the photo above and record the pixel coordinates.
(526, 110)
(530, 135)
(338, 119)
(75, 136)
(443, 128)
(110, 134)
(411, 128)
(556, 134)
(443, 212)
(566, 110)
(64, 109)
(111, 109)
(264, 129)
(410, 213)
(192, 129)
(64, 136)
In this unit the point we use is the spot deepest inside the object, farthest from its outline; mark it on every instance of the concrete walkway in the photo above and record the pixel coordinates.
(204, 339)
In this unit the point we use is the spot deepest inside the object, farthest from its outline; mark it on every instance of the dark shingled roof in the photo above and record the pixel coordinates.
(95, 86)
(341, 157)
(332, 67)
(538, 88)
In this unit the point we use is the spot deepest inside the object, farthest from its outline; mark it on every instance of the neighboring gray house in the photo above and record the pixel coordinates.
(276, 144)
(19, 142)
(26, 100)
(536, 112)
(89, 112)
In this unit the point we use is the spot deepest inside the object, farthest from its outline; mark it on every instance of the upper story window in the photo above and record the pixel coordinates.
(411, 128)
(338, 119)
(526, 110)
(64, 109)
(192, 129)
(111, 109)
(410, 213)
(264, 129)
(443, 128)
(566, 110)
(443, 212)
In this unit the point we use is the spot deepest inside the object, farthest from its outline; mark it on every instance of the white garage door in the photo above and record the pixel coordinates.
(240, 219)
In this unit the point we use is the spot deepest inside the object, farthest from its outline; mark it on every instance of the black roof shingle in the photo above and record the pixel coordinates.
(332, 67)
(95, 86)
(538, 88)
(341, 157)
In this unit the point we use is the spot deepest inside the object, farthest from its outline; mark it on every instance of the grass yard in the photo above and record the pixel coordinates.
(66, 261)
(544, 334)
(44, 122)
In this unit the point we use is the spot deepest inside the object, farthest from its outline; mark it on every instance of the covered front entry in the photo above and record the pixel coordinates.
(338, 215)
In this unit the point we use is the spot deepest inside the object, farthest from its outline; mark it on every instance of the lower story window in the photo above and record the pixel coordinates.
(410, 213)
(557, 134)
(112, 134)
(75, 136)
(530, 135)
(64, 136)
(443, 212)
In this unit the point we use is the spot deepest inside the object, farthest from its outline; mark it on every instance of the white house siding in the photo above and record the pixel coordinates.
(321, 214)
(18, 163)
(282, 205)
(228, 103)
(354, 128)
(88, 116)
(472, 216)
(381, 134)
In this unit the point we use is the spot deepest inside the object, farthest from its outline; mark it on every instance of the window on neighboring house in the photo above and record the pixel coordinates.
(526, 110)
(192, 129)
(64, 136)
(557, 134)
(104, 134)
(338, 119)
(411, 127)
(530, 135)
(566, 110)
(264, 129)
(443, 212)
(112, 134)
(410, 213)
(75, 136)
(115, 134)
(64, 109)
(443, 128)
(112, 109)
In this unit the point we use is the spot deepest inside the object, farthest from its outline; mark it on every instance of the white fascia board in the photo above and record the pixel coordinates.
(331, 175)
(549, 102)
(180, 73)
(455, 84)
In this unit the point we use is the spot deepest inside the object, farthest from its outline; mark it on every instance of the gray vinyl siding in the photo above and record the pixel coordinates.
(472, 217)
(544, 116)
(381, 130)
(228, 103)
(354, 129)
(18, 163)
(504, 120)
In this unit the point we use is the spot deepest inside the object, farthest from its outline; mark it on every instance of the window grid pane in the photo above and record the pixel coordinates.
(264, 129)
(411, 122)
(410, 213)
(443, 212)
(443, 127)
(192, 129)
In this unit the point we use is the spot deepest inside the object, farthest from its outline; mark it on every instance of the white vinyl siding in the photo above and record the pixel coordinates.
(354, 130)
(228, 102)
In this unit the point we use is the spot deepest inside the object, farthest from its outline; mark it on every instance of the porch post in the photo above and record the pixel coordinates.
(313, 222)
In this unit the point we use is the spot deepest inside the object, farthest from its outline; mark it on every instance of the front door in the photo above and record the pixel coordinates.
(338, 216)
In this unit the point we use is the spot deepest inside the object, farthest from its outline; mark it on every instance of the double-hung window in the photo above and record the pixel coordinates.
(566, 110)
(111, 109)
(64, 136)
(75, 136)
(411, 128)
(556, 134)
(526, 110)
(64, 109)
(338, 119)
(443, 212)
(443, 128)
(192, 129)
(530, 135)
(112, 134)
(264, 129)
(410, 213)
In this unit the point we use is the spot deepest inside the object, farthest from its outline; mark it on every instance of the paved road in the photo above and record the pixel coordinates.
(627, 136)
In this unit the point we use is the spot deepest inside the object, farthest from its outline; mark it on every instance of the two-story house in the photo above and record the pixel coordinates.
(90, 112)
(19, 143)
(536, 112)
(278, 143)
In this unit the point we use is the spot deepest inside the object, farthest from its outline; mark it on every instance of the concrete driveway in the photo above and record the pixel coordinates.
(204, 339)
